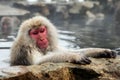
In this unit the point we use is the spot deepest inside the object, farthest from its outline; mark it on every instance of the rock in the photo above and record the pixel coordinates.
(99, 69)
(8, 73)
(75, 8)
(90, 15)
(90, 4)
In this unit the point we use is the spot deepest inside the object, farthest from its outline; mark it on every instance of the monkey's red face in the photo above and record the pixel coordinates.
(40, 36)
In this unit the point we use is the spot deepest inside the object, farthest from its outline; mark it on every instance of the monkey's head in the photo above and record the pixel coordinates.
(5, 21)
(38, 32)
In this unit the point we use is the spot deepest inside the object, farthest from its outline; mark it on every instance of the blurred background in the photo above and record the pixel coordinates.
(80, 23)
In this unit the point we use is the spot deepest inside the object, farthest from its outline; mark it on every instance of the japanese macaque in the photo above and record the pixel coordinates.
(6, 26)
(37, 43)
(9, 25)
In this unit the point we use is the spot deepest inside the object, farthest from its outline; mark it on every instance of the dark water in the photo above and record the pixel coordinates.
(90, 33)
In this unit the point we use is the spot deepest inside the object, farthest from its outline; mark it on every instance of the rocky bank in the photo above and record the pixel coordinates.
(99, 69)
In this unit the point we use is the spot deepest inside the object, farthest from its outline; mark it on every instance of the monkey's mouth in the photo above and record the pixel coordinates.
(42, 44)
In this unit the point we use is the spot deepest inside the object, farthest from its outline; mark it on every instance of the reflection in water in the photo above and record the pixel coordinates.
(66, 39)
(98, 33)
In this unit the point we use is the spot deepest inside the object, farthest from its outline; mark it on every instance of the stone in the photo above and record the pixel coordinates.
(99, 69)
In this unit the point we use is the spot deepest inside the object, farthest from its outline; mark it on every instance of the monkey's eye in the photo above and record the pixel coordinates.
(35, 32)
(42, 29)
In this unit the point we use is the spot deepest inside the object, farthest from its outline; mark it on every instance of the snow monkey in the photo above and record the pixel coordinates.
(6, 26)
(37, 43)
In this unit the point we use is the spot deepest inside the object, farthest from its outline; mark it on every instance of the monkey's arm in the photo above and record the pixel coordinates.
(77, 56)
(62, 57)
(98, 52)
(20, 60)
(19, 56)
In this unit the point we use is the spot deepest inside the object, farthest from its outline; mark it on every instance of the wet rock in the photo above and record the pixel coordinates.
(8, 73)
(90, 4)
(99, 69)
(90, 15)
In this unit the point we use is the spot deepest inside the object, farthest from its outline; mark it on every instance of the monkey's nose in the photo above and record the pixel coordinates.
(41, 39)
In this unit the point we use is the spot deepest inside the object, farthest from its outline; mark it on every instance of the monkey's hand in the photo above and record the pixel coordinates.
(106, 54)
(100, 53)
(80, 59)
